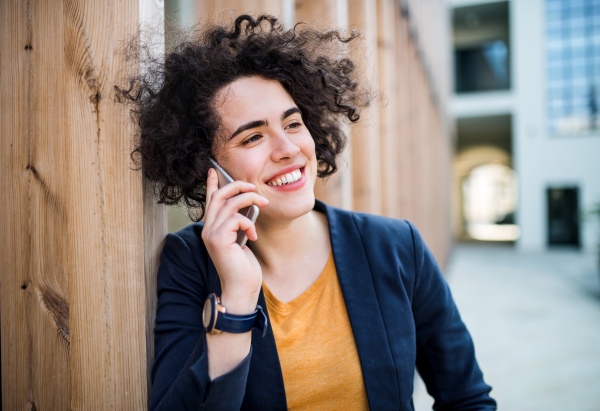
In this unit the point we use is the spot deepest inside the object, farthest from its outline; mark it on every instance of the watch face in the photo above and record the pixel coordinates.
(207, 313)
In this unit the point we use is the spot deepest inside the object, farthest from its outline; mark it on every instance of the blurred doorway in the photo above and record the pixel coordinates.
(563, 216)
(486, 184)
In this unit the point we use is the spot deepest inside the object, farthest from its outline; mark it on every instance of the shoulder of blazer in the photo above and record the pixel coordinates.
(393, 247)
(377, 233)
(185, 248)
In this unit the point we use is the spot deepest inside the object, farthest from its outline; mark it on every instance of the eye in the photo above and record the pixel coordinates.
(295, 124)
(252, 139)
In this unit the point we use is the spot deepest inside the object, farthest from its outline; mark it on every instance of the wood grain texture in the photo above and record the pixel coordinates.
(73, 285)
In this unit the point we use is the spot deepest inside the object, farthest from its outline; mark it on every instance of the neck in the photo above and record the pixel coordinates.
(288, 243)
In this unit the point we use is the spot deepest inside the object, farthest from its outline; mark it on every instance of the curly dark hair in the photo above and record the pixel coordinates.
(172, 99)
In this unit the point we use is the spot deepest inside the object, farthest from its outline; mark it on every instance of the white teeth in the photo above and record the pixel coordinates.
(287, 178)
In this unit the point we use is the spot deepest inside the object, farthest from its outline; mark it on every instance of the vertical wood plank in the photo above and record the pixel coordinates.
(73, 288)
(366, 171)
(388, 84)
(319, 13)
(405, 180)
(34, 293)
(106, 261)
(228, 10)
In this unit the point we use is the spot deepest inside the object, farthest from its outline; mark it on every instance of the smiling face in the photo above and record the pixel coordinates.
(267, 144)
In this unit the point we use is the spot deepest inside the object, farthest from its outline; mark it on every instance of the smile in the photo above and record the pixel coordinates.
(286, 179)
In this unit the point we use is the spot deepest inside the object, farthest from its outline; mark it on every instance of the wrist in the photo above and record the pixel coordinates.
(239, 303)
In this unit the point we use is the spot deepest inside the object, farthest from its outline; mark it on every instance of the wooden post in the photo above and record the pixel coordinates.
(366, 171)
(404, 153)
(73, 251)
(388, 115)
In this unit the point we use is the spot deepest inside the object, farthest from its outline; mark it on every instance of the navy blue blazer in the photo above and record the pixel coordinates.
(400, 309)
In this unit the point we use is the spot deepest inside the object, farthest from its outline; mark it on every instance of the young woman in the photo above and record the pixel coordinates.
(354, 302)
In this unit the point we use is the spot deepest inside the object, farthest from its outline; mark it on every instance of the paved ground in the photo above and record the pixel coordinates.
(535, 320)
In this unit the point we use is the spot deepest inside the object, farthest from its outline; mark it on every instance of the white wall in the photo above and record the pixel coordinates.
(541, 160)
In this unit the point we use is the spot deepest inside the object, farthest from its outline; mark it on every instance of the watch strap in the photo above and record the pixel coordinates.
(237, 324)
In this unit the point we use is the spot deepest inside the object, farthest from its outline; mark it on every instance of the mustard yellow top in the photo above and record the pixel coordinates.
(316, 348)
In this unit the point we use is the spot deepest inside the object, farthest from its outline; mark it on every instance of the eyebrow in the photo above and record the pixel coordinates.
(260, 123)
(248, 126)
(289, 112)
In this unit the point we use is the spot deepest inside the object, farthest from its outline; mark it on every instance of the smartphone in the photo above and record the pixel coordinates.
(250, 212)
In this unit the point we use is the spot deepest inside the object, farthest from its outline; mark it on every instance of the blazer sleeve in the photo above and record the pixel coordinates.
(445, 353)
(180, 372)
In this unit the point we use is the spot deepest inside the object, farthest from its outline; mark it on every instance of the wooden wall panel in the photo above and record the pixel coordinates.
(404, 154)
(73, 285)
(366, 171)
(228, 10)
(388, 115)
(319, 13)
(32, 253)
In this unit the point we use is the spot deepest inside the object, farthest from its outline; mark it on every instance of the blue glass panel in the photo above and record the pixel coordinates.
(577, 33)
(554, 17)
(577, 14)
(578, 52)
(573, 60)
(578, 71)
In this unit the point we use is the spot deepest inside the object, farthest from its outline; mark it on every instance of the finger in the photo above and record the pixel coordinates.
(226, 233)
(212, 185)
(219, 196)
(235, 204)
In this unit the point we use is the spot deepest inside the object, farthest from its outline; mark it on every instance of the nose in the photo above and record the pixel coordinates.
(283, 147)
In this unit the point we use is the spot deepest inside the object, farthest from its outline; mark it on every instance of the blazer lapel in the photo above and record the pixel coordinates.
(358, 289)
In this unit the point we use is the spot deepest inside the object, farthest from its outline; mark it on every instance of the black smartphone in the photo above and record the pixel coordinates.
(250, 212)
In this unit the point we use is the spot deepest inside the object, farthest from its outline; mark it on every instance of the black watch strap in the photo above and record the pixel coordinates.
(237, 324)
(216, 319)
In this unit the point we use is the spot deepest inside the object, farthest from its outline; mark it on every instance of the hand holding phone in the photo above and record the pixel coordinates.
(239, 270)
(250, 212)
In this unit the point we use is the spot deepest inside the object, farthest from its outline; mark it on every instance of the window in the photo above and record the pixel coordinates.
(481, 47)
(573, 69)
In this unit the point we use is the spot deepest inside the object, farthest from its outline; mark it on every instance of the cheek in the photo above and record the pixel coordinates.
(241, 165)
(307, 145)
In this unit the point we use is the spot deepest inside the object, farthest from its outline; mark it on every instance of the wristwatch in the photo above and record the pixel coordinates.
(216, 319)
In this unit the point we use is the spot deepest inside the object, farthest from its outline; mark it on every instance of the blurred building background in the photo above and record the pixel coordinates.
(526, 180)
(526, 78)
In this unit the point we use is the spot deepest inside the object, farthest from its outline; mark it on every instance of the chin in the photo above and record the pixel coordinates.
(289, 210)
